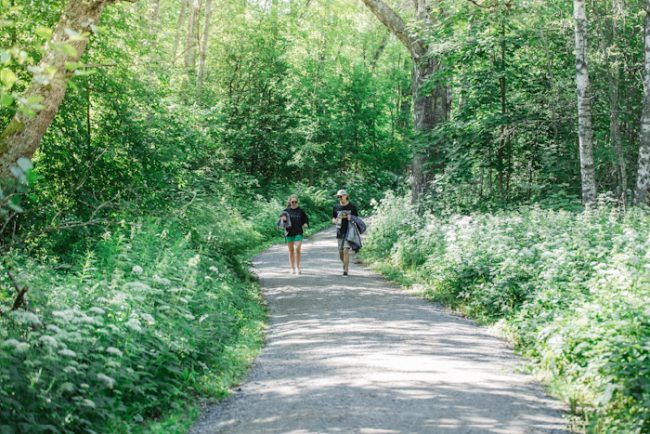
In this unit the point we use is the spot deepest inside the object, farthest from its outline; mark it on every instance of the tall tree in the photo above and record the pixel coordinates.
(204, 46)
(190, 42)
(585, 130)
(430, 108)
(22, 136)
(643, 171)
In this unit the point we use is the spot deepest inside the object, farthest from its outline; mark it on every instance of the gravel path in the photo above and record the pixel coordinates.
(354, 355)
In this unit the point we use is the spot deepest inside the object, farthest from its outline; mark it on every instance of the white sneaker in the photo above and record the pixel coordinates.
(298, 271)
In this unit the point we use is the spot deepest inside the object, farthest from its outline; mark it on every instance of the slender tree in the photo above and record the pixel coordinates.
(643, 171)
(585, 130)
(22, 136)
(429, 108)
(204, 46)
(179, 26)
(190, 41)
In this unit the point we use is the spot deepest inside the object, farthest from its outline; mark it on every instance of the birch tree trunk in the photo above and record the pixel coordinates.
(429, 109)
(204, 46)
(585, 130)
(23, 134)
(643, 171)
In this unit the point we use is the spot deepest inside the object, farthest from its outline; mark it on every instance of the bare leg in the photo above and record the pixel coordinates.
(291, 257)
(297, 255)
(346, 259)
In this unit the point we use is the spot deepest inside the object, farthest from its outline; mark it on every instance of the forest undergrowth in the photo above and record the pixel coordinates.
(129, 334)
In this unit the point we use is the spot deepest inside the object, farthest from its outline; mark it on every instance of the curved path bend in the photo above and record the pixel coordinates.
(355, 355)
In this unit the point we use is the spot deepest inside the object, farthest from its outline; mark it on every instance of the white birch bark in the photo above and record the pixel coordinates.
(179, 27)
(585, 130)
(643, 170)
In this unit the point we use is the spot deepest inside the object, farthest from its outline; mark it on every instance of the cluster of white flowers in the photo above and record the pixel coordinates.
(194, 261)
(114, 351)
(134, 324)
(108, 381)
(137, 270)
(25, 317)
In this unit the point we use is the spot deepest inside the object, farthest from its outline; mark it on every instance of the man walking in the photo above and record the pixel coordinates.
(341, 216)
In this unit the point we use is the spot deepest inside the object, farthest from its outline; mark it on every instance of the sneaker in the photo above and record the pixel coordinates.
(293, 271)
(298, 271)
(345, 273)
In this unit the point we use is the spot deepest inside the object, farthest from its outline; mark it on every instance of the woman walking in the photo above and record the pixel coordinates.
(294, 232)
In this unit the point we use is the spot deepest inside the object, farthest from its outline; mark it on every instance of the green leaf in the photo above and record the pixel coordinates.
(6, 99)
(8, 78)
(44, 32)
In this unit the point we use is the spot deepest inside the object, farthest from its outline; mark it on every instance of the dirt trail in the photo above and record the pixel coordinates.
(354, 355)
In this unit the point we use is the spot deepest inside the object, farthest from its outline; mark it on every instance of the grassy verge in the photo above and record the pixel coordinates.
(132, 332)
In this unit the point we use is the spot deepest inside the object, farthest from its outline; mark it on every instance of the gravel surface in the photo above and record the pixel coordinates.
(352, 354)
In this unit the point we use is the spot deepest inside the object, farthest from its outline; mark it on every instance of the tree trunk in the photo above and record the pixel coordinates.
(585, 131)
(190, 45)
(643, 173)
(179, 26)
(155, 11)
(429, 109)
(613, 70)
(23, 134)
(204, 46)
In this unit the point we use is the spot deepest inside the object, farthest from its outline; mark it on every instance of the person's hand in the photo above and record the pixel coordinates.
(283, 217)
(349, 216)
(305, 225)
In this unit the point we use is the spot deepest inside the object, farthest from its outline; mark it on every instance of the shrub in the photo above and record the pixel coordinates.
(571, 288)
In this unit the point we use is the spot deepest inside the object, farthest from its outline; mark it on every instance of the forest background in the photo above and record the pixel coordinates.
(185, 124)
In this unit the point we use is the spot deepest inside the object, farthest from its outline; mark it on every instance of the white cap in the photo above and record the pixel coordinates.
(342, 193)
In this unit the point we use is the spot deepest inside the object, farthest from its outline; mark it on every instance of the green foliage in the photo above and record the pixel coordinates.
(149, 316)
(572, 290)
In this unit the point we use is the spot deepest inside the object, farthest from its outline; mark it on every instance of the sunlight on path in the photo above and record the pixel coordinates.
(353, 355)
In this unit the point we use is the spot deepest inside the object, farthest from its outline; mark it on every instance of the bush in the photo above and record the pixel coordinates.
(571, 289)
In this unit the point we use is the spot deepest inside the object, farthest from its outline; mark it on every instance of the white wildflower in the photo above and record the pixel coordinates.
(68, 353)
(189, 316)
(22, 347)
(213, 269)
(134, 325)
(67, 387)
(88, 403)
(137, 269)
(137, 286)
(13, 343)
(163, 281)
(203, 317)
(66, 315)
(28, 318)
(53, 328)
(194, 261)
(48, 341)
(114, 351)
(71, 370)
(108, 381)
(97, 310)
(148, 318)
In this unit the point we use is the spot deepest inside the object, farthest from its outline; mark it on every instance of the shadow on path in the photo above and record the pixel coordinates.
(353, 355)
